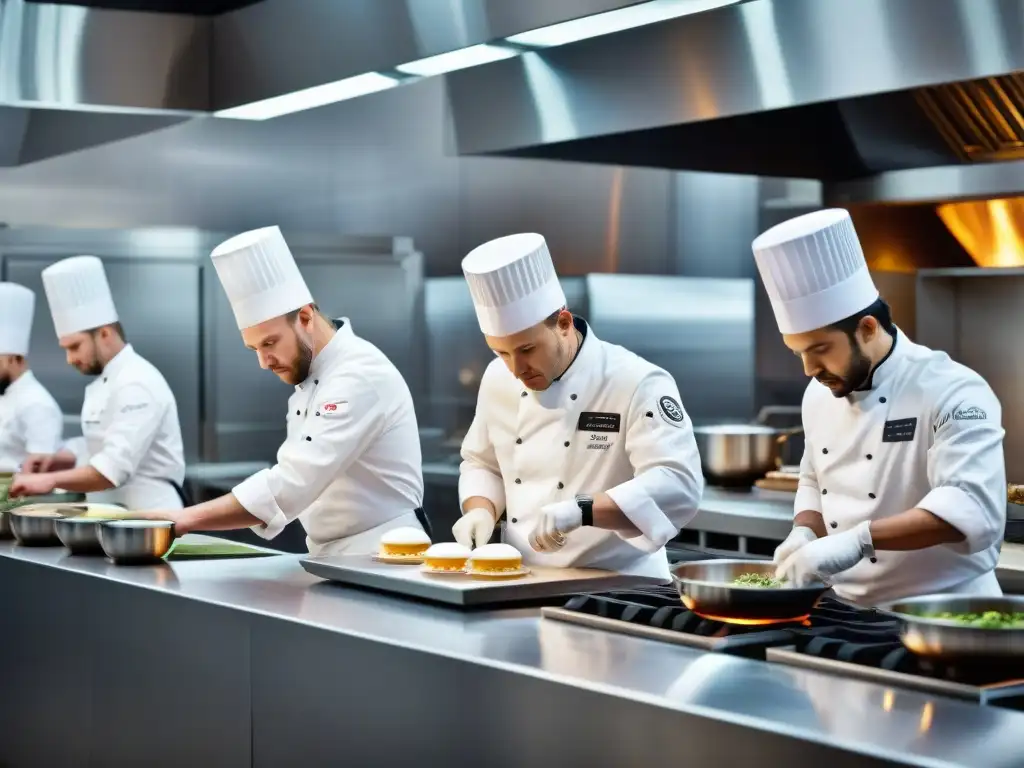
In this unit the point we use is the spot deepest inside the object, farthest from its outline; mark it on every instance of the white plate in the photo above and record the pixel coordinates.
(524, 571)
(391, 560)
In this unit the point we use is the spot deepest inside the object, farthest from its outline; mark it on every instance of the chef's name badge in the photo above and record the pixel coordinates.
(899, 431)
(591, 421)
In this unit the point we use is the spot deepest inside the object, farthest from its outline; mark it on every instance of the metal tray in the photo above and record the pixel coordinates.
(542, 582)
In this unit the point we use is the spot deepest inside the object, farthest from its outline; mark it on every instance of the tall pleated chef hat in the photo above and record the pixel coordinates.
(260, 276)
(814, 270)
(513, 283)
(79, 295)
(17, 303)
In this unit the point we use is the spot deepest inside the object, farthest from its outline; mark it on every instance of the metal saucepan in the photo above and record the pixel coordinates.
(735, 455)
(136, 542)
(949, 639)
(707, 588)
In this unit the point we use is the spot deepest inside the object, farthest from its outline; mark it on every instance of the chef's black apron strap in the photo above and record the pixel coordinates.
(422, 517)
(182, 494)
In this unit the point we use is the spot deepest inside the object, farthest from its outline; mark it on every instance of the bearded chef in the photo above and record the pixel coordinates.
(902, 485)
(31, 423)
(350, 468)
(130, 452)
(584, 445)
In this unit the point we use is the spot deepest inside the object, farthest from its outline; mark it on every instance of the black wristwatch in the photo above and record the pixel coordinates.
(586, 505)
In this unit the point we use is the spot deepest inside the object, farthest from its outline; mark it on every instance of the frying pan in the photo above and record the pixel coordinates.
(945, 639)
(706, 587)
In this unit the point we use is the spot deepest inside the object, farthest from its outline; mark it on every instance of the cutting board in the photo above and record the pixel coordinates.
(192, 550)
(780, 481)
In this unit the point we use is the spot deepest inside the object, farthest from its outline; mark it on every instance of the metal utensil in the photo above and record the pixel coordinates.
(735, 455)
(136, 542)
(945, 638)
(708, 588)
(81, 535)
(34, 528)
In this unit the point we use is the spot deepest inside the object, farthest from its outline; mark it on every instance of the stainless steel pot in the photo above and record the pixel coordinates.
(707, 588)
(136, 542)
(949, 639)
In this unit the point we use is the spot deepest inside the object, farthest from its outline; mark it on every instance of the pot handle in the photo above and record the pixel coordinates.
(781, 441)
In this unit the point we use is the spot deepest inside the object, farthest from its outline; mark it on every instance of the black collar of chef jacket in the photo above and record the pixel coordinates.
(869, 384)
(581, 325)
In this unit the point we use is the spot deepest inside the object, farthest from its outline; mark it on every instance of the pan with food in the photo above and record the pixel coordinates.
(961, 626)
(742, 591)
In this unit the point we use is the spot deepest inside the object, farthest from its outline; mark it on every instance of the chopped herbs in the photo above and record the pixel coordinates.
(986, 620)
(757, 580)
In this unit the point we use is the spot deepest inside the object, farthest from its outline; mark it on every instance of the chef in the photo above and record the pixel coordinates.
(31, 423)
(350, 468)
(902, 485)
(130, 452)
(584, 446)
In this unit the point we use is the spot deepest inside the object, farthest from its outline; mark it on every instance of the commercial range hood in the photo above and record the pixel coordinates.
(843, 91)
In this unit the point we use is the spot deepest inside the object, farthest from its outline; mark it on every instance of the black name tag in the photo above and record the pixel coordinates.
(901, 431)
(599, 422)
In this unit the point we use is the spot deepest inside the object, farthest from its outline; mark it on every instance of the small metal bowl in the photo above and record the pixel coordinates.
(136, 542)
(5, 527)
(81, 535)
(34, 529)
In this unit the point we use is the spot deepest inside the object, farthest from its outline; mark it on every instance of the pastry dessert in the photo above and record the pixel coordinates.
(404, 542)
(494, 559)
(447, 556)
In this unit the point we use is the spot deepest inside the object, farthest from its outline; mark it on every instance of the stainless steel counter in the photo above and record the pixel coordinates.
(475, 668)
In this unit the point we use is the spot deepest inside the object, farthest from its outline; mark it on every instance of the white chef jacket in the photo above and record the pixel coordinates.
(30, 422)
(927, 434)
(131, 435)
(351, 467)
(612, 423)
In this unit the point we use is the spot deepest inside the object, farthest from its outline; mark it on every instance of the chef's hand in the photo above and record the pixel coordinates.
(37, 462)
(797, 538)
(555, 522)
(823, 558)
(31, 485)
(474, 528)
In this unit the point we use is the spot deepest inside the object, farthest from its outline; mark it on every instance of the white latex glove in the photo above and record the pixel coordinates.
(823, 558)
(474, 528)
(554, 523)
(799, 536)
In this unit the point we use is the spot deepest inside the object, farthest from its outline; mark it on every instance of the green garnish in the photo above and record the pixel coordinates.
(757, 580)
(985, 620)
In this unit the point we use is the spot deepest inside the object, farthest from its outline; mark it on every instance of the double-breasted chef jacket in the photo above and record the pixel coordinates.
(351, 466)
(131, 435)
(30, 422)
(613, 423)
(927, 433)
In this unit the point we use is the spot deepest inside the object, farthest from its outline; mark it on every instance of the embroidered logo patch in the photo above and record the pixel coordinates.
(329, 407)
(969, 413)
(670, 410)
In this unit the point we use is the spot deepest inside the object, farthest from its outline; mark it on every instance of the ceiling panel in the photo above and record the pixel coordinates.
(190, 7)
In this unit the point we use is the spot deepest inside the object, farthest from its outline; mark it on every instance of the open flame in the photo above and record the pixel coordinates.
(991, 231)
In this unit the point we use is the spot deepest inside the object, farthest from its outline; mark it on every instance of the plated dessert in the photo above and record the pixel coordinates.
(446, 558)
(497, 561)
(403, 546)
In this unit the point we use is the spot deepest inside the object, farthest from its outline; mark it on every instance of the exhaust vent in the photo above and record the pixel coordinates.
(981, 120)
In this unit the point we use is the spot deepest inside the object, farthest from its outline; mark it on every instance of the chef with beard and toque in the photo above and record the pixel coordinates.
(31, 423)
(350, 468)
(130, 452)
(586, 445)
(902, 485)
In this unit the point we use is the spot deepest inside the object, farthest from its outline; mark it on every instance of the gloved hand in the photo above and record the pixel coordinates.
(823, 558)
(474, 528)
(797, 538)
(554, 523)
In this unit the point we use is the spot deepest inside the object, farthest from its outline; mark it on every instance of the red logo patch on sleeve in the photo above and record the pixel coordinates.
(330, 407)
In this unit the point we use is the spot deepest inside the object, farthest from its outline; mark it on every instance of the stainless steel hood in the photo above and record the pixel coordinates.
(835, 90)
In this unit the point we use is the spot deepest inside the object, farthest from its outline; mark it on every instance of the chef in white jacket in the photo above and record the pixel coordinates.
(31, 424)
(584, 446)
(350, 468)
(130, 452)
(902, 485)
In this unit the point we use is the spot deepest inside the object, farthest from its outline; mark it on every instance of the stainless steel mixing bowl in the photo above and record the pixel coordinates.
(34, 529)
(136, 542)
(81, 535)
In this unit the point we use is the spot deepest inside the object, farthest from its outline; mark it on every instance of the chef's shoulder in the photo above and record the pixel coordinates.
(141, 382)
(366, 375)
(954, 395)
(646, 386)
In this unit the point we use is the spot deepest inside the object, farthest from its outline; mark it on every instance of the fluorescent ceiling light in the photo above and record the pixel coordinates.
(460, 59)
(614, 21)
(311, 98)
